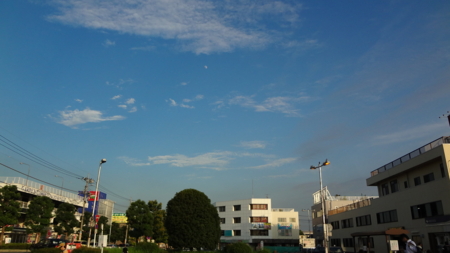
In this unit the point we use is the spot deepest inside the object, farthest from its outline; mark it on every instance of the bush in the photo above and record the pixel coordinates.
(238, 247)
(47, 250)
(89, 250)
(15, 246)
(147, 247)
(264, 251)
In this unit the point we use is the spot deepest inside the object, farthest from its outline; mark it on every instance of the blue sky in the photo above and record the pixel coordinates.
(213, 95)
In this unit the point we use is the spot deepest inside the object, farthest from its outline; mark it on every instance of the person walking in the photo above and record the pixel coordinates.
(410, 245)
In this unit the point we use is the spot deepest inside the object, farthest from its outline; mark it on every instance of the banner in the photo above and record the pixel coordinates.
(260, 225)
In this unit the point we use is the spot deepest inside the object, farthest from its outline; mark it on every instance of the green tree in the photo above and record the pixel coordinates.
(238, 247)
(192, 221)
(159, 217)
(38, 215)
(102, 220)
(9, 207)
(117, 232)
(65, 220)
(140, 219)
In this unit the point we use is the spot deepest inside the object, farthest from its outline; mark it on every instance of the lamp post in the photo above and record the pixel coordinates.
(95, 202)
(309, 217)
(28, 172)
(322, 200)
(62, 184)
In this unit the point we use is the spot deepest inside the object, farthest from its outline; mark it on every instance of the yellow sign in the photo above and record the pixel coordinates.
(119, 218)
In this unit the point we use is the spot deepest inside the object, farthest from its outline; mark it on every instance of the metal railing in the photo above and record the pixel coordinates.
(39, 186)
(282, 209)
(410, 155)
(356, 205)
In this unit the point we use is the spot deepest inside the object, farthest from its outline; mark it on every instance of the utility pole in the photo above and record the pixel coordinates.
(88, 181)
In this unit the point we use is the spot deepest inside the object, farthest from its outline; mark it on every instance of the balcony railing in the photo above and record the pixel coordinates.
(356, 205)
(410, 155)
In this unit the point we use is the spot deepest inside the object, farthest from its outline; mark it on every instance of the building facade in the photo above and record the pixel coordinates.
(414, 196)
(254, 220)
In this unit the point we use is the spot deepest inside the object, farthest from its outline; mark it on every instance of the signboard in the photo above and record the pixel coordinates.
(309, 243)
(260, 225)
(394, 245)
(119, 218)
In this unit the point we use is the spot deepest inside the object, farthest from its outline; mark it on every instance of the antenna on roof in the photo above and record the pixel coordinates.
(448, 117)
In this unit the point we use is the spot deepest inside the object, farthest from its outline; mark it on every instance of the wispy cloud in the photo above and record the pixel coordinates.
(122, 106)
(116, 97)
(253, 144)
(285, 105)
(108, 43)
(120, 83)
(71, 118)
(407, 134)
(79, 100)
(185, 102)
(133, 109)
(144, 48)
(275, 163)
(199, 26)
(288, 175)
(184, 83)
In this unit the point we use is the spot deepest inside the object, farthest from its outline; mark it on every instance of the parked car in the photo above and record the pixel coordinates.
(47, 243)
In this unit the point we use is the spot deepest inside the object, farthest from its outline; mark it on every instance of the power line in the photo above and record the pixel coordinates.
(27, 154)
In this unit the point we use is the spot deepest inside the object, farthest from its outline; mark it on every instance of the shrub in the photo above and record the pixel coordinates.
(238, 247)
(264, 251)
(47, 250)
(89, 250)
(15, 246)
(147, 247)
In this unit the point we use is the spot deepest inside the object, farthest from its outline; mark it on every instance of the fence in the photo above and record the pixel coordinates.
(356, 205)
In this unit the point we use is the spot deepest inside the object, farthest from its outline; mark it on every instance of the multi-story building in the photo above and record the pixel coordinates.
(254, 220)
(414, 198)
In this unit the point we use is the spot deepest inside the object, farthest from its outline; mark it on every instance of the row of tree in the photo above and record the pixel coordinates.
(189, 221)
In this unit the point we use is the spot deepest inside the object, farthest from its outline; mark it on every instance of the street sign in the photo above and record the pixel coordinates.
(394, 245)
(97, 217)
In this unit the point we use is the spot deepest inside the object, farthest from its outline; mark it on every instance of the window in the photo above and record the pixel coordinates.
(222, 220)
(237, 232)
(221, 208)
(222, 232)
(259, 232)
(427, 210)
(428, 178)
(292, 220)
(237, 207)
(417, 181)
(348, 242)
(347, 223)
(405, 184)
(386, 217)
(335, 224)
(237, 220)
(259, 219)
(442, 170)
(384, 189)
(364, 242)
(284, 232)
(281, 219)
(258, 206)
(394, 186)
(336, 242)
(363, 220)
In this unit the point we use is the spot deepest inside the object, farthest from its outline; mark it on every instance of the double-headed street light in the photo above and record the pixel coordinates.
(322, 200)
(95, 201)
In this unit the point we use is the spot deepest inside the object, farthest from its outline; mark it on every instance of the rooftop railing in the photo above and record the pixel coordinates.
(410, 155)
(282, 209)
(356, 205)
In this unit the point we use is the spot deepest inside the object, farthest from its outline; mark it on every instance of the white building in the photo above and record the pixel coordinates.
(254, 220)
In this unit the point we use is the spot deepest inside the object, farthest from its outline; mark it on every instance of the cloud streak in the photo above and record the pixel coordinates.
(285, 105)
(72, 118)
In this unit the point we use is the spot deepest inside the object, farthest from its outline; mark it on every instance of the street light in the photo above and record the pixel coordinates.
(28, 172)
(62, 185)
(325, 228)
(95, 202)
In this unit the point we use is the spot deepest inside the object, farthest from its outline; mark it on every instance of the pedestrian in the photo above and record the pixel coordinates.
(125, 249)
(410, 245)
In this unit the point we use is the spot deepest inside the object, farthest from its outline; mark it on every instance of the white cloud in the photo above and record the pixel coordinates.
(116, 97)
(133, 161)
(133, 109)
(253, 144)
(199, 26)
(79, 100)
(172, 102)
(187, 106)
(199, 97)
(407, 134)
(109, 43)
(275, 163)
(75, 117)
(206, 67)
(183, 83)
(122, 106)
(186, 100)
(283, 105)
(130, 101)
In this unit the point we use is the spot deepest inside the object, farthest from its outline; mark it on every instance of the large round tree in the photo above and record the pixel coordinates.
(192, 221)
